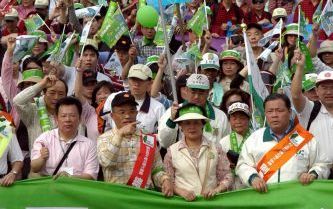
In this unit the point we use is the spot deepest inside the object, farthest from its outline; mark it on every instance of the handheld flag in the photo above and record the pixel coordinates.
(33, 23)
(198, 22)
(24, 45)
(327, 18)
(258, 89)
(116, 27)
(316, 16)
(268, 36)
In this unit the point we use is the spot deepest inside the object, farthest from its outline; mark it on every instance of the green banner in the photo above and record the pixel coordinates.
(70, 193)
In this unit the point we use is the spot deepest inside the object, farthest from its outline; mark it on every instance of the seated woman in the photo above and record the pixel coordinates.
(196, 165)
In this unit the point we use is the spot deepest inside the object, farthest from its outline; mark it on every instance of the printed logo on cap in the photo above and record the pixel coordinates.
(327, 75)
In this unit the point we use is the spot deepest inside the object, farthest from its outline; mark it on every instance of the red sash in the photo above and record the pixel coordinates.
(144, 162)
(281, 153)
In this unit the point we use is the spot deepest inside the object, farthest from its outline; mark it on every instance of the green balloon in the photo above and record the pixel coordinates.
(147, 16)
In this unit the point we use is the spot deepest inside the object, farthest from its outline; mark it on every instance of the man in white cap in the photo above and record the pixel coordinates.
(309, 86)
(322, 58)
(11, 27)
(150, 110)
(279, 13)
(315, 116)
(210, 66)
(282, 151)
(197, 93)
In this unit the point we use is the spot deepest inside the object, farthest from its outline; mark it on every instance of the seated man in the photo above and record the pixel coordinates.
(283, 151)
(126, 154)
(9, 150)
(63, 151)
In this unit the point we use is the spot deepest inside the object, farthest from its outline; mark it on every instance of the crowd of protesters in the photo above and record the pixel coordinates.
(110, 114)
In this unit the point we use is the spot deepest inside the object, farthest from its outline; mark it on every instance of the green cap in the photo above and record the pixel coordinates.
(191, 112)
(292, 29)
(32, 75)
(151, 60)
(307, 85)
(231, 55)
(78, 6)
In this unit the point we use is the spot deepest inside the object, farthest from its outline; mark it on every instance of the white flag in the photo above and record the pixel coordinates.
(24, 45)
(85, 33)
(258, 89)
(114, 64)
(327, 18)
(268, 35)
(264, 55)
(87, 12)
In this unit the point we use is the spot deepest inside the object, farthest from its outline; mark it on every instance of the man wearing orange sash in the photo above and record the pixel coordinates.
(283, 151)
(126, 154)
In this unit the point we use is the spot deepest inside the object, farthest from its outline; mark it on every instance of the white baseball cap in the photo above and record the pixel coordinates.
(324, 76)
(210, 60)
(140, 71)
(198, 81)
(239, 107)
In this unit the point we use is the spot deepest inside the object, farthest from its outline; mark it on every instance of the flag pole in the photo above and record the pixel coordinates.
(206, 16)
(167, 51)
(45, 24)
(281, 22)
(299, 24)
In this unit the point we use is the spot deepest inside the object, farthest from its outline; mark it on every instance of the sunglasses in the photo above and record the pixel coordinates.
(278, 19)
(258, 1)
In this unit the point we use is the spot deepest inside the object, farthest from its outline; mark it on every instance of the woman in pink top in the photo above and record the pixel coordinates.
(26, 7)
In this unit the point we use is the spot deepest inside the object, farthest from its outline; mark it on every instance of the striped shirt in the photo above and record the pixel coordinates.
(118, 156)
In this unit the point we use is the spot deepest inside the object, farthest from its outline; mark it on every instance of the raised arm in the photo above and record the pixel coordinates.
(157, 83)
(298, 98)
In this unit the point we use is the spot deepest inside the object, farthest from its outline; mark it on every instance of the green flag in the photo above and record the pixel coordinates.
(116, 27)
(308, 67)
(69, 193)
(198, 22)
(112, 8)
(302, 23)
(24, 45)
(283, 76)
(33, 23)
(193, 53)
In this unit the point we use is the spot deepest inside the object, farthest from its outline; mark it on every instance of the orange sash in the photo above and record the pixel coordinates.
(275, 158)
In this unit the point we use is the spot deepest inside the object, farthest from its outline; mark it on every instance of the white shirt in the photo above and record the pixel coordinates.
(70, 74)
(148, 121)
(13, 153)
(321, 128)
(306, 160)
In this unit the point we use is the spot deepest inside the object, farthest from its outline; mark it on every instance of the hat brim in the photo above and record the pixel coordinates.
(278, 16)
(193, 86)
(41, 6)
(11, 18)
(325, 50)
(209, 66)
(319, 81)
(138, 75)
(239, 110)
(191, 116)
(33, 79)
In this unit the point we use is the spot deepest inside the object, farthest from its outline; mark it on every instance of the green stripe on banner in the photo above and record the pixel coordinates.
(69, 193)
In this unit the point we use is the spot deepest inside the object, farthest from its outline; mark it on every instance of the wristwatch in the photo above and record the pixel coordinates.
(14, 172)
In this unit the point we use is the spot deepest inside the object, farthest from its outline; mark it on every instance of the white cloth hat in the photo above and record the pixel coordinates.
(42, 4)
(279, 12)
(325, 76)
(12, 15)
(210, 60)
(140, 71)
(325, 46)
(198, 81)
(239, 107)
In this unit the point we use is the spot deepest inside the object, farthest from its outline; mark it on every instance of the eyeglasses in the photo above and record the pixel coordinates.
(257, 1)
